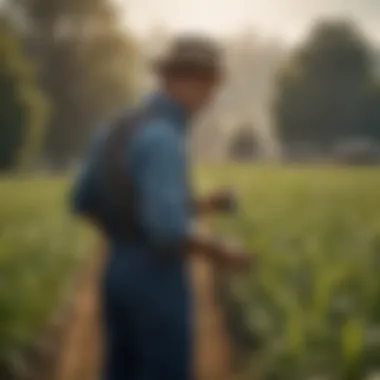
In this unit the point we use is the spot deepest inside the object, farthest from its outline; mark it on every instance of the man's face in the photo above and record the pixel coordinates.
(194, 91)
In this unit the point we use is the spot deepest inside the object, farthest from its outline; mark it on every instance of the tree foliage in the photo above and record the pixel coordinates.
(327, 87)
(87, 65)
(23, 108)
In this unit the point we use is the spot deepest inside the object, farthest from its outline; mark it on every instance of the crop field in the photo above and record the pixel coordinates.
(40, 246)
(313, 298)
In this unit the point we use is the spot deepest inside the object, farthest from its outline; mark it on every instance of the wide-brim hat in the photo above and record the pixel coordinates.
(191, 52)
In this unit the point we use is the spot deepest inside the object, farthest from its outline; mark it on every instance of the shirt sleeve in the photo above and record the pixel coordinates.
(163, 209)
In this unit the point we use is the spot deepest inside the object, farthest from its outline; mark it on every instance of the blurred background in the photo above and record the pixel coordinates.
(296, 129)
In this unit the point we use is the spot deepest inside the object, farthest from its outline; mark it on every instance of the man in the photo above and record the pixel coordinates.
(146, 289)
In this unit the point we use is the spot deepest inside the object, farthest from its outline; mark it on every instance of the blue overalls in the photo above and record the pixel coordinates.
(145, 292)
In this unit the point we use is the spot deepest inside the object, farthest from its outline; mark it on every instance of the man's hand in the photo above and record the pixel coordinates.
(223, 200)
(232, 257)
(227, 256)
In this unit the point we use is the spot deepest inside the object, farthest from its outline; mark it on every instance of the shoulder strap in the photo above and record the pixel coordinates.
(117, 178)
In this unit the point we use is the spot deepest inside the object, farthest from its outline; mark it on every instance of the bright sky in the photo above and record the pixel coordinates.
(288, 19)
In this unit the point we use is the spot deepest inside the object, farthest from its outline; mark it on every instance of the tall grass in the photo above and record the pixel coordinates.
(39, 247)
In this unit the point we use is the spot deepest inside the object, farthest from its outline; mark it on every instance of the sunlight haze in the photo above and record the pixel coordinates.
(287, 19)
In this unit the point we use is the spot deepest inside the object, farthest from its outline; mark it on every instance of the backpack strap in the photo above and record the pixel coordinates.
(117, 178)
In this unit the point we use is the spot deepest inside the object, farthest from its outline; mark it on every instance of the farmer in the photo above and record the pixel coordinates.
(144, 210)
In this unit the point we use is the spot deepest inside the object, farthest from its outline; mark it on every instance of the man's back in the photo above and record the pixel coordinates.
(145, 285)
(155, 163)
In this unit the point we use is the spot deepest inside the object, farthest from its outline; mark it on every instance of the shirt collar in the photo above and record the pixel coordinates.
(162, 104)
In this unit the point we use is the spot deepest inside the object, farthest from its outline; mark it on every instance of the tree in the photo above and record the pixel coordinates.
(371, 120)
(323, 90)
(88, 66)
(23, 108)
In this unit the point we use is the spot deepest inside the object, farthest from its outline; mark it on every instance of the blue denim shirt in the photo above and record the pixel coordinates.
(155, 159)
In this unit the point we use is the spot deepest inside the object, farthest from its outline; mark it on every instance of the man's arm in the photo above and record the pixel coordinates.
(163, 209)
(156, 167)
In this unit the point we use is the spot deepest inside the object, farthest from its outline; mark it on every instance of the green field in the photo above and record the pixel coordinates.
(40, 247)
(315, 296)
